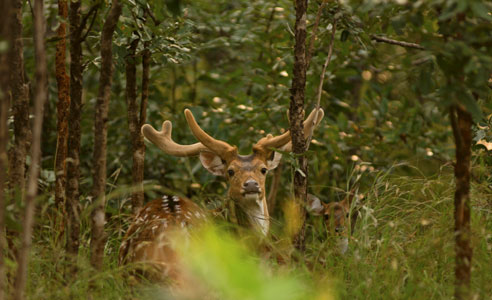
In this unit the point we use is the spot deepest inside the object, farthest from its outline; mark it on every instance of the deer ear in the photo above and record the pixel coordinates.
(347, 201)
(213, 163)
(274, 160)
(314, 205)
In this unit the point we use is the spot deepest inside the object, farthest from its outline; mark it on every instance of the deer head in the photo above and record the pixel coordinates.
(245, 174)
(336, 217)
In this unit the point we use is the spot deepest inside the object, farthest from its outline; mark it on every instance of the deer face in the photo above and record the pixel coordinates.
(336, 218)
(246, 174)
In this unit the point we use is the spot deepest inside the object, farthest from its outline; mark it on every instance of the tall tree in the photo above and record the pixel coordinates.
(461, 122)
(77, 36)
(133, 123)
(20, 99)
(136, 117)
(5, 6)
(296, 117)
(32, 185)
(98, 239)
(63, 105)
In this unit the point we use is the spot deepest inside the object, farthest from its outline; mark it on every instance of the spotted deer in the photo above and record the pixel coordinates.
(336, 217)
(147, 239)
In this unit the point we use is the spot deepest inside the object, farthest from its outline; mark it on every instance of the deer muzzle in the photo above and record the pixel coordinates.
(251, 186)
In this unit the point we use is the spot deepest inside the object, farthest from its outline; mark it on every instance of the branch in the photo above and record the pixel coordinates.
(267, 29)
(313, 35)
(90, 26)
(86, 17)
(322, 79)
(152, 16)
(395, 42)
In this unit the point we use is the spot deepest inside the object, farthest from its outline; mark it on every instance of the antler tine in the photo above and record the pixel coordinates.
(309, 123)
(163, 140)
(221, 148)
(283, 141)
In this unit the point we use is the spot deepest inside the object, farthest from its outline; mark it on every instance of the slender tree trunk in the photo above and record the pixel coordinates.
(296, 116)
(4, 108)
(98, 239)
(461, 122)
(63, 82)
(5, 6)
(145, 90)
(73, 161)
(20, 103)
(134, 126)
(32, 185)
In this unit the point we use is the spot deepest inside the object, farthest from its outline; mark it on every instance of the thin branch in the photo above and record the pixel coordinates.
(90, 26)
(86, 17)
(322, 79)
(152, 16)
(396, 42)
(267, 29)
(313, 35)
(30, 6)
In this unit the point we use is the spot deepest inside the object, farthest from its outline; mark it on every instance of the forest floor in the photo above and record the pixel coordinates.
(402, 248)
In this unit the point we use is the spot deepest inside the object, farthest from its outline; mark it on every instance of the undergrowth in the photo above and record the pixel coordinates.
(402, 248)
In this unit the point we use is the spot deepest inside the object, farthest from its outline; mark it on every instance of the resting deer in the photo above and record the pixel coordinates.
(147, 237)
(336, 217)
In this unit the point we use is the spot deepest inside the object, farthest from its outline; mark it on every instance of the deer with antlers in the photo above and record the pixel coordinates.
(147, 237)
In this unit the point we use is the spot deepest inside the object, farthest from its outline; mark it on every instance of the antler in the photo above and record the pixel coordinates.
(163, 140)
(221, 148)
(283, 141)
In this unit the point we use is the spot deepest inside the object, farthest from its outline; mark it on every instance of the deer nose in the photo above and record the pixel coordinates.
(339, 229)
(251, 186)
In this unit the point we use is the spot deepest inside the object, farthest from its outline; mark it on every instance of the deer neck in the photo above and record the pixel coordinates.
(253, 213)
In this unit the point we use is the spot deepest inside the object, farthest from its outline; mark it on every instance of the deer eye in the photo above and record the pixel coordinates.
(230, 172)
(264, 171)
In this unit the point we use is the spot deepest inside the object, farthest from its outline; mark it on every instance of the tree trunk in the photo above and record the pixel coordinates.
(98, 239)
(73, 161)
(461, 122)
(32, 185)
(20, 103)
(145, 90)
(5, 6)
(296, 116)
(63, 105)
(4, 108)
(134, 126)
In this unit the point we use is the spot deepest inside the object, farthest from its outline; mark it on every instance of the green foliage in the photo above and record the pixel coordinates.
(231, 63)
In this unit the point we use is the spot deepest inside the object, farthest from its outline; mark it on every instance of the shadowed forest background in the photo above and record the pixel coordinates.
(407, 132)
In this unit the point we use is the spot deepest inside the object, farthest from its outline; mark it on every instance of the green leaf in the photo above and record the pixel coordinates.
(479, 9)
(452, 10)
(174, 7)
(398, 24)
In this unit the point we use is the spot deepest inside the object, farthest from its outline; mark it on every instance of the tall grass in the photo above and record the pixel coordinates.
(402, 248)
